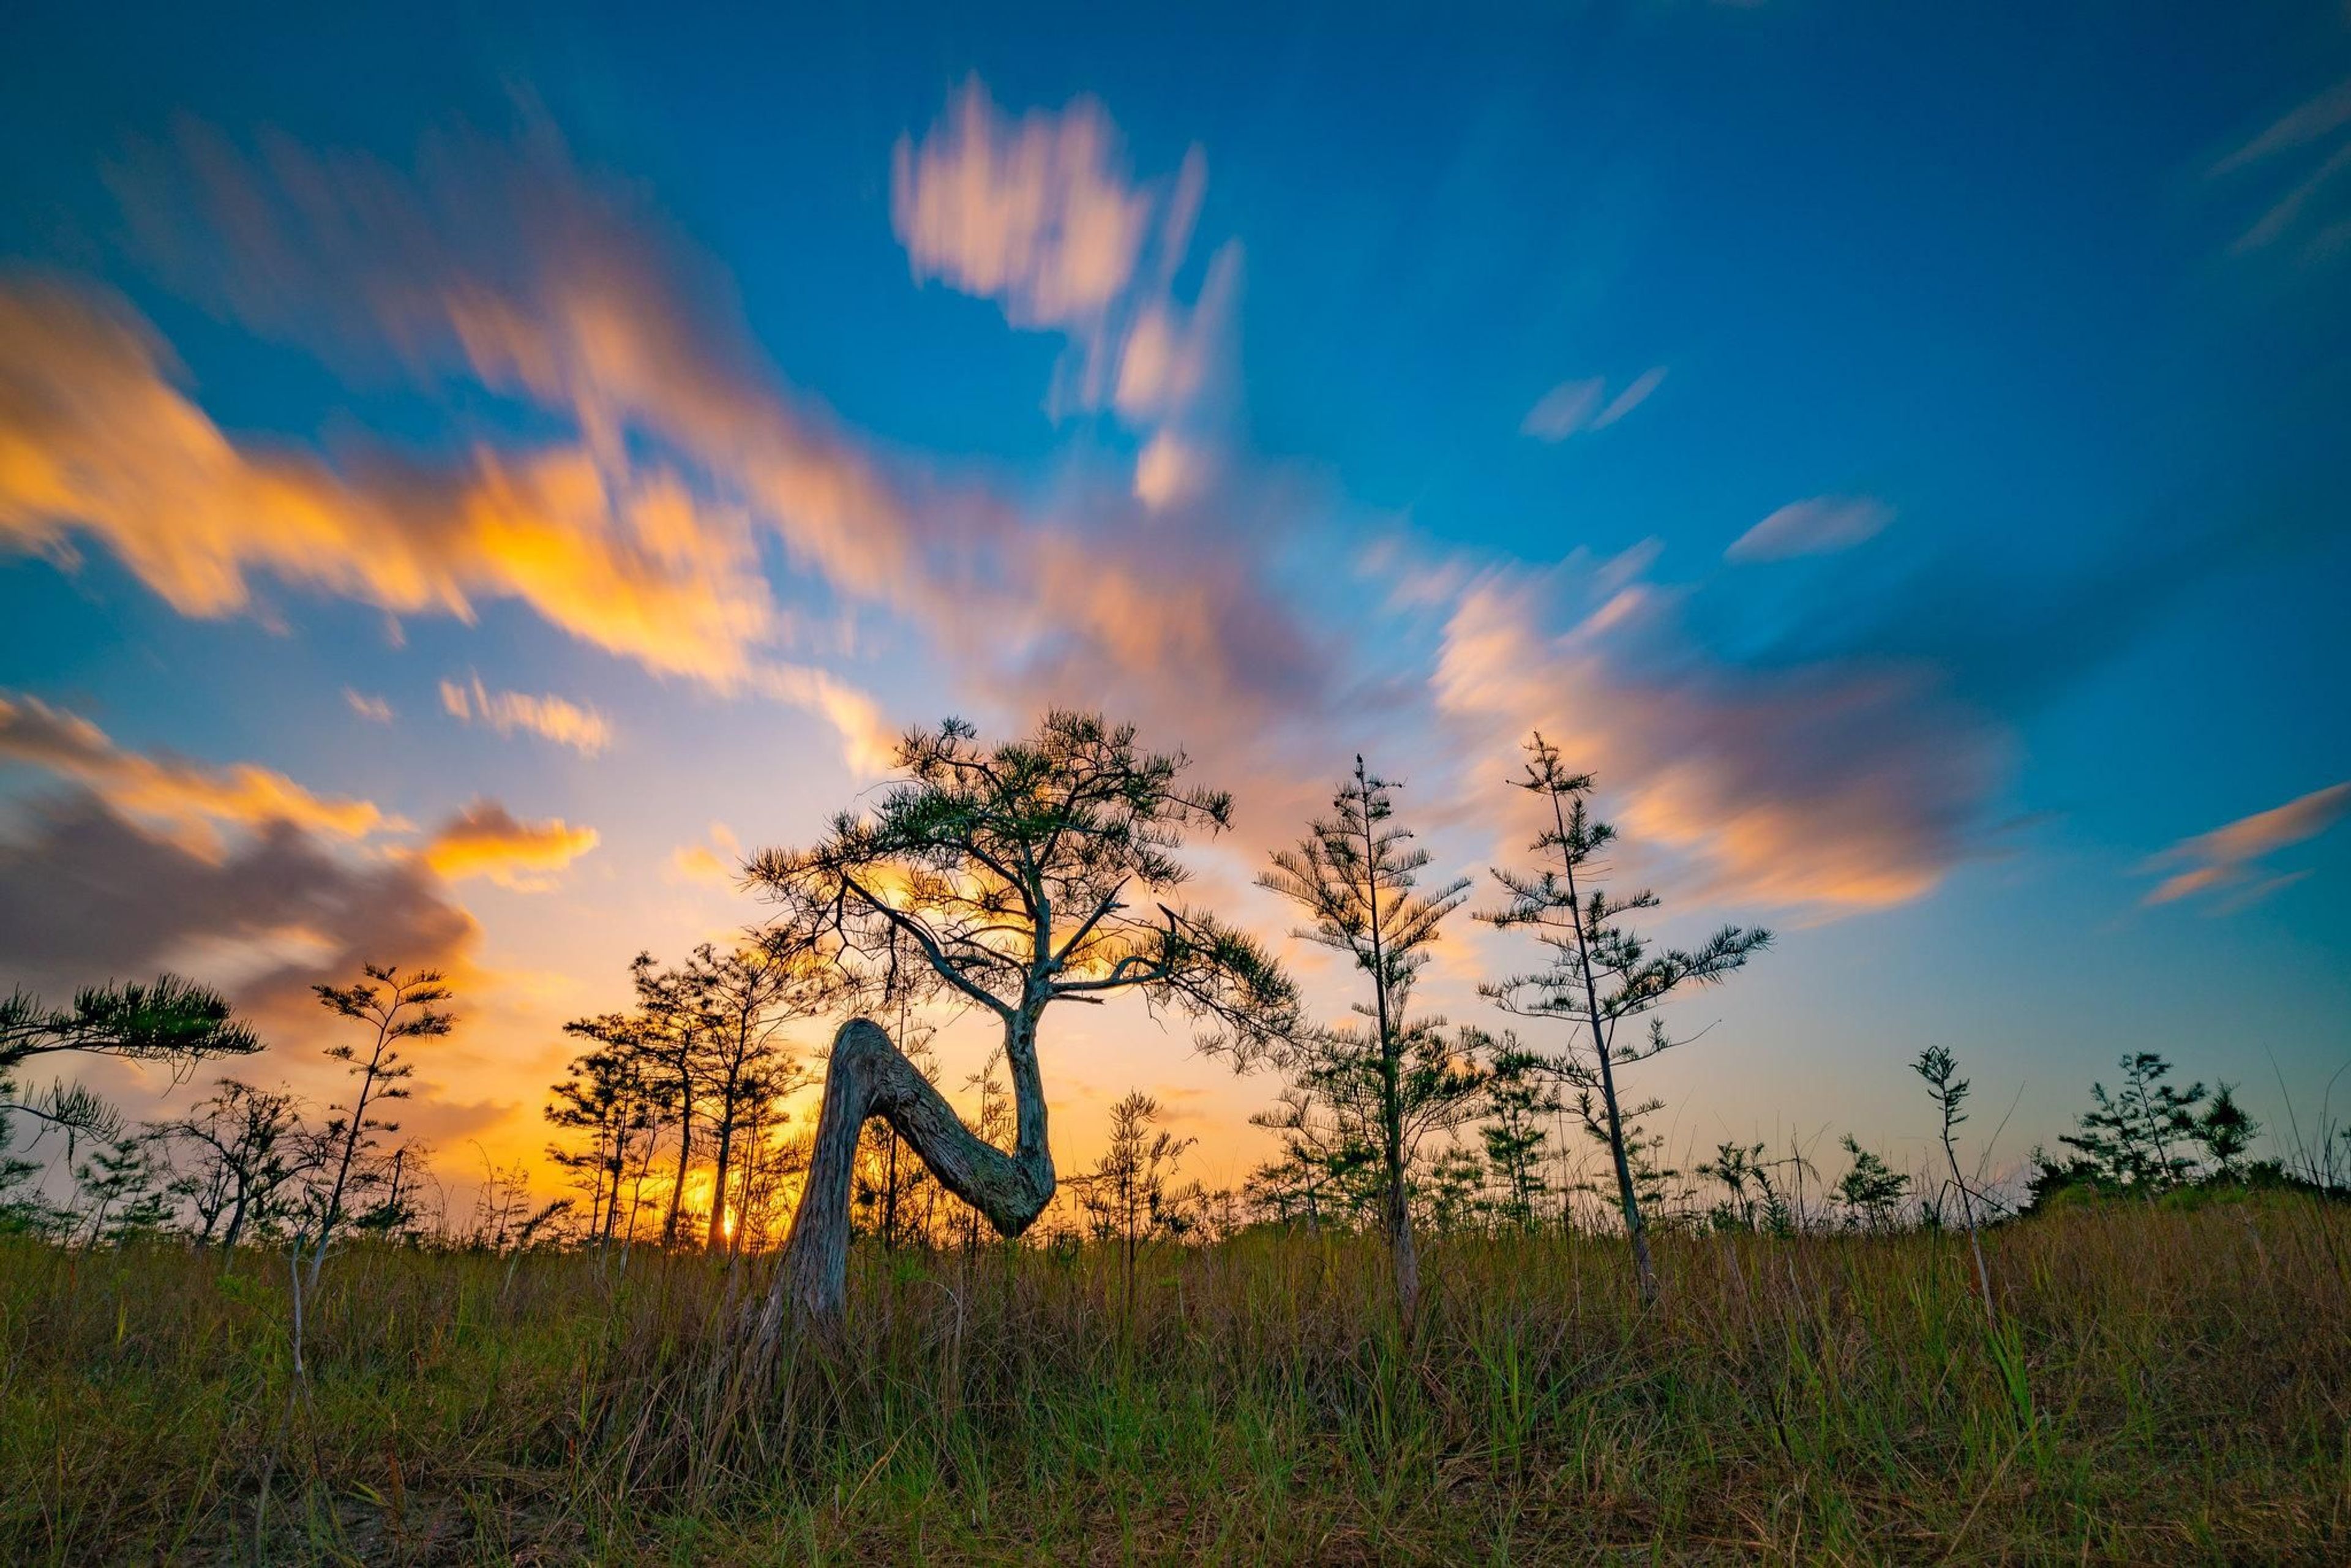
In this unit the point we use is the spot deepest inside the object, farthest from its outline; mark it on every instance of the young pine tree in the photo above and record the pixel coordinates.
(1128, 1197)
(2135, 1137)
(1948, 1091)
(1378, 1087)
(1600, 974)
(1520, 1098)
(1871, 1190)
(391, 1012)
(2227, 1134)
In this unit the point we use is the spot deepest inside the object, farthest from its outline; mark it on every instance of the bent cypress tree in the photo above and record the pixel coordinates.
(1006, 878)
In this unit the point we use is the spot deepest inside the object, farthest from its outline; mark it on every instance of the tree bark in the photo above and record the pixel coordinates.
(867, 1077)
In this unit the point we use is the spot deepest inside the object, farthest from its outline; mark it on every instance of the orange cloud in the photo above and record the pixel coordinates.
(2225, 856)
(566, 723)
(486, 840)
(717, 863)
(189, 796)
(509, 264)
(95, 440)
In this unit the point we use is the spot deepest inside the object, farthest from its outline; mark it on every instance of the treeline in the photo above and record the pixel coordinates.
(997, 880)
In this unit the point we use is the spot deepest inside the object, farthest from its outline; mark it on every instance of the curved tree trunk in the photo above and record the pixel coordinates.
(869, 1077)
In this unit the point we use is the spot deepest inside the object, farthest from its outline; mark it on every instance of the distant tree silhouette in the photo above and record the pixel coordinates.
(1023, 874)
(246, 1148)
(2227, 1134)
(1128, 1197)
(1601, 973)
(743, 1000)
(1365, 1095)
(2137, 1136)
(604, 1100)
(1871, 1189)
(1519, 1096)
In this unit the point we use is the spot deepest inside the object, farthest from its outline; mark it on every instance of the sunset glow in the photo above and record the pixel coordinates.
(456, 508)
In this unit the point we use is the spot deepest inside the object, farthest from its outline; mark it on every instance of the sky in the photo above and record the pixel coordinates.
(468, 480)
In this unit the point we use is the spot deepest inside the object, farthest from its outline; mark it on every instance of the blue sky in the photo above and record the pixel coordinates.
(1901, 448)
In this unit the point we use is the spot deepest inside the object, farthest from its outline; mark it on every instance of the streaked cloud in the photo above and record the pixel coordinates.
(192, 798)
(566, 723)
(1581, 405)
(2309, 208)
(1037, 213)
(1822, 526)
(374, 709)
(1042, 215)
(96, 441)
(505, 264)
(487, 840)
(1829, 789)
(2229, 858)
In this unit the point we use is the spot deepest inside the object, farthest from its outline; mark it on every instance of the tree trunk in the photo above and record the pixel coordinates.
(1402, 1248)
(716, 1236)
(1644, 1269)
(677, 1188)
(868, 1077)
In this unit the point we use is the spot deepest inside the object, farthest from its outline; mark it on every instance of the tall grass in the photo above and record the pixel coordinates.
(2163, 1385)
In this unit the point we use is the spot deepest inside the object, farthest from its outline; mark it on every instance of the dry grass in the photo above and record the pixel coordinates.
(2166, 1386)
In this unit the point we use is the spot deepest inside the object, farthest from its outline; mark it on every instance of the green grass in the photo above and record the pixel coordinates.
(2165, 1386)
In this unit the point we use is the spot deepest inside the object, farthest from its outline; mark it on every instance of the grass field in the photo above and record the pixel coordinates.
(2165, 1386)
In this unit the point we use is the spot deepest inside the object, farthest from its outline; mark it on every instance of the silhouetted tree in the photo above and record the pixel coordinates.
(1015, 872)
(244, 1146)
(1601, 973)
(1520, 1096)
(1383, 1085)
(2132, 1138)
(1127, 1196)
(604, 1101)
(743, 999)
(1939, 1068)
(1871, 1189)
(2226, 1133)
(391, 1011)
(173, 1022)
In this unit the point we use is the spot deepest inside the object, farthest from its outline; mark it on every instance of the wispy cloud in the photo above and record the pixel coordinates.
(1828, 789)
(505, 263)
(1581, 405)
(2227, 857)
(1041, 213)
(1822, 526)
(566, 723)
(102, 444)
(2310, 207)
(374, 709)
(192, 798)
(487, 840)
